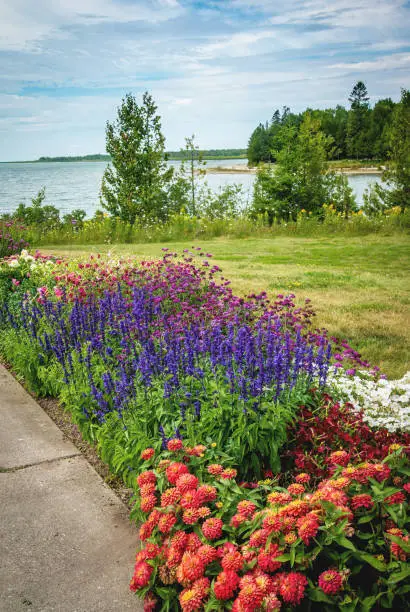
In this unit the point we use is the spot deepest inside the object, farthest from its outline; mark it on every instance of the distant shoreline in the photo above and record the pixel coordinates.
(232, 169)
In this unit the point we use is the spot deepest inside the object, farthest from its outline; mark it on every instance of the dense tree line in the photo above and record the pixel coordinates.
(361, 132)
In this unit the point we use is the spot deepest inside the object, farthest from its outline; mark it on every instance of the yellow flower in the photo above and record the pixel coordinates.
(213, 445)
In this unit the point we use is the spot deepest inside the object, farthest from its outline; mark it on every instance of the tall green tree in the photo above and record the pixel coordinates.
(381, 121)
(396, 188)
(358, 122)
(259, 146)
(196, 169)
(134, 186)
(298, 181)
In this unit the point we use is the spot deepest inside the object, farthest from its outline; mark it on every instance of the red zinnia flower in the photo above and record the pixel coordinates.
(251, 595)
(148, 503)
(296, 489)
(215, 469)
(330, 581)
(226, 584)
(361, 501)
(191, 516)
(229, 473)
(193, 542)
(147, 489)
(170, 497)
(339, 458)
(192, 567)
(142, 575)
(396, 498)
(190, 499)
(292, 587)
(237, 520)
(207, 493)
(175, 470)
(166, 522)
(302, 478)
(267, 558)
(186, 482)
(175, 445)
(212, 528)
(145, 478)
(207, 553)
(232, 561)
(146, 530)
(147, 454)
(308, 527)
(247, 508)
(179, 540)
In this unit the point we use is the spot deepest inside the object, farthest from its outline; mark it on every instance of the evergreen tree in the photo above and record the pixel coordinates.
(259, 148)
(358, 122)
(134, 185)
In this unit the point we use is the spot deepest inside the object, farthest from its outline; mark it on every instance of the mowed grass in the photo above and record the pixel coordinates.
(359, 286)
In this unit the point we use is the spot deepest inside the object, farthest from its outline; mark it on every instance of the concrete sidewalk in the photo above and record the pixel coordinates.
(66, 543)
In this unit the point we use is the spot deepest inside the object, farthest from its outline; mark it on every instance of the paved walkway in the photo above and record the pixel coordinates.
(66, 544)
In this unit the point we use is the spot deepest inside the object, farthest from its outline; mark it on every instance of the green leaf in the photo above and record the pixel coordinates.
(316, 594)
(365, 519)
(376, 563)
(342, 541)
(399, 576)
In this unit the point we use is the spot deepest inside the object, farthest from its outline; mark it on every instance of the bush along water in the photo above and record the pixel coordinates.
(280, 492)
(12, 238)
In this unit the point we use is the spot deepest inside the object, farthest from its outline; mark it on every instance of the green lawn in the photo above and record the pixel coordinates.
(360, 286)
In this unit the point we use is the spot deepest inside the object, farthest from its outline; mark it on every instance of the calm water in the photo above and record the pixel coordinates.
(72, 185)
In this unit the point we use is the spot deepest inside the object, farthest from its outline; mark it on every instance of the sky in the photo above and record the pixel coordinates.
(215, 68)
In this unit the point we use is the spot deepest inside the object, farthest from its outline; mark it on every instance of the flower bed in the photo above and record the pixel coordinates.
(210, 544)
(161, 358)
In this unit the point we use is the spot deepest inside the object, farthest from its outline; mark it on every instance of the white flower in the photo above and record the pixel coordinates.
(14, 263)
(384, 403)
(26, 256)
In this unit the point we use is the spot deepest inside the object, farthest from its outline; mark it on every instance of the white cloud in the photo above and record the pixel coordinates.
(215, 71)
(25, 23)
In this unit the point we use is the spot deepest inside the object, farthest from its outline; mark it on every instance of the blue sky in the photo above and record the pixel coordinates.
(215, 68)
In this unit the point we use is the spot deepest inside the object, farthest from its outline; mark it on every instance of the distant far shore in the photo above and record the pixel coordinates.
(342, 166)
(242, 169)
(171, 156)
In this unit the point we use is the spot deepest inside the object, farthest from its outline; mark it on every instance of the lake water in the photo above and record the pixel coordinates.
(72, 185)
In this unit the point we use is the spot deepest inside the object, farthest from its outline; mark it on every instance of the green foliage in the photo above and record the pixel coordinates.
(184, 190)
(134, 185)
(44, 217)
(358, 122)
(299, 180)
(360, 132)
(396, 190)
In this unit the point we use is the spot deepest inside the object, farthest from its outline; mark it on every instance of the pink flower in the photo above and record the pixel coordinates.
(58, 292)
(15, 282)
